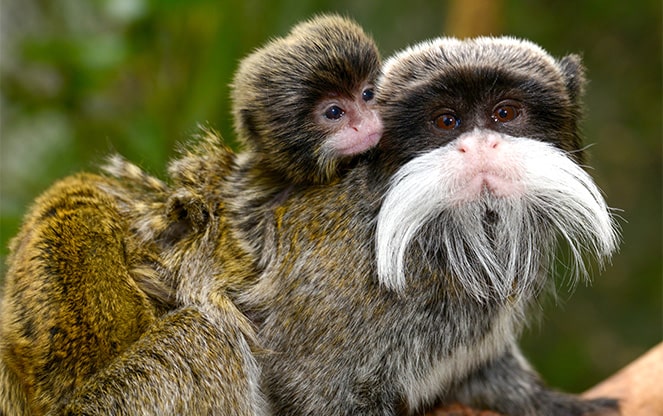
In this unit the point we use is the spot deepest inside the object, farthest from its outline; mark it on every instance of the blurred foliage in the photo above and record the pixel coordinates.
(80, 79)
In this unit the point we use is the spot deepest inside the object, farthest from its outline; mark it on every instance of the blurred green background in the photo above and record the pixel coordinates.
(80, 79)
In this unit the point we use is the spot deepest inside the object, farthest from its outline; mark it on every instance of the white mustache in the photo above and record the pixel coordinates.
(494, 239)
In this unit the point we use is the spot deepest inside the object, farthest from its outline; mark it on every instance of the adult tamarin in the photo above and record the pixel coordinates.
(407, 281)
(119, 294)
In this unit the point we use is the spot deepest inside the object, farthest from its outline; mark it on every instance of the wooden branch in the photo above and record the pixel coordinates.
(638, 387)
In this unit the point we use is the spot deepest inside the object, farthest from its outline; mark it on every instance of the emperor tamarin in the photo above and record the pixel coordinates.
(407, 281)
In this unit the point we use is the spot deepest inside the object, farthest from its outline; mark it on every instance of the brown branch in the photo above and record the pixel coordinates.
(460, 410)
(638, 386)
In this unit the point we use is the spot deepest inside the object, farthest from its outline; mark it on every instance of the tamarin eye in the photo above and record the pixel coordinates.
(368, 94)
(504, 113)
(446, 121)
(334, 112)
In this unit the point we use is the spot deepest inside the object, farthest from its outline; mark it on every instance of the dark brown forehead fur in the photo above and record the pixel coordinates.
(435, 59)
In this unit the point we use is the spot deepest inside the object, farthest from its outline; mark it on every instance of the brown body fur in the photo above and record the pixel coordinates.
(73, 240)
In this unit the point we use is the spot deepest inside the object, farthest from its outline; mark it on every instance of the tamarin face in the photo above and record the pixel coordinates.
(305, 102)
(482, 136)
(349, 123)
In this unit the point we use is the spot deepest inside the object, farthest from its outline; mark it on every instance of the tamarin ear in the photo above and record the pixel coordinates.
(574, 75)
(186, 213)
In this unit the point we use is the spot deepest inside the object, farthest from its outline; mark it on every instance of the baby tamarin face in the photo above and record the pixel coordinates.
(304, 103)
(482, 137)
(349, 123)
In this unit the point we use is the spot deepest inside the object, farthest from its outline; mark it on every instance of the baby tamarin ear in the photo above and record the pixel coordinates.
(304, 103)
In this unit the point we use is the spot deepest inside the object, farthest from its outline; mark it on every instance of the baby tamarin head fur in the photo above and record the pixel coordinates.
(303, 104)
(487, 132)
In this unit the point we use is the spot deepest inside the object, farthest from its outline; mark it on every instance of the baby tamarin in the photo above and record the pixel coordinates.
(407, 281)
(304, 121)
(119, 292)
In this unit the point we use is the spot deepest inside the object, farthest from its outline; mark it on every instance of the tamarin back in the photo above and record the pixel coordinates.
(119, 296)
(71, 299)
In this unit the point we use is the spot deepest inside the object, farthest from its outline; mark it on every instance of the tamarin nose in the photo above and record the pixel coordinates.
(477, 142)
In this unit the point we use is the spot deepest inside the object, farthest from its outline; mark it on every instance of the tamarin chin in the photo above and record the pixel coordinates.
(120, 294)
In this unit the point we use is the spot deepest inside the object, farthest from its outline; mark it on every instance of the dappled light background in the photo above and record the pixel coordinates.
(81, 79)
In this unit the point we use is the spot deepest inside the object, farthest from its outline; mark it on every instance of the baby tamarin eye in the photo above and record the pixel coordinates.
(334, 112)
(368, 94)
(506, 111)
(446, 121)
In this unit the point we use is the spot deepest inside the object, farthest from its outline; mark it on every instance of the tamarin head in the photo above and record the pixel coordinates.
(482, 138)
(304, 103)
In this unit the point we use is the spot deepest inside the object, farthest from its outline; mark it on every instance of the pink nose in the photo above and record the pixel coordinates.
(478, 143)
